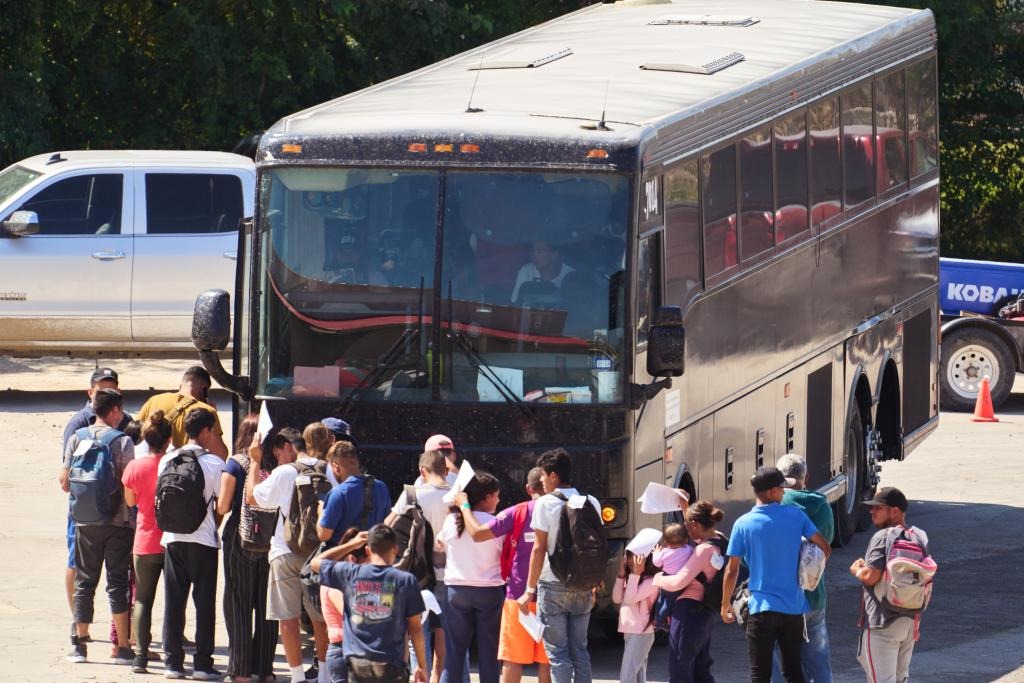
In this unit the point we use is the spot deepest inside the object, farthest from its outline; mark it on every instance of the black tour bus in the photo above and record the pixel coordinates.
(676, 243)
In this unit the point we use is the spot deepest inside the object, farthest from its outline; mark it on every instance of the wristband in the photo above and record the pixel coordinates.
(531, 591)
(466, 506)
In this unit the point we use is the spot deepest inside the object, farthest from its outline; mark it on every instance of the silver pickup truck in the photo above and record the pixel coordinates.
(104, 252)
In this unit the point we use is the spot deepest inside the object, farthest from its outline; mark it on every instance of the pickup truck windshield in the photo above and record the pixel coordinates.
(12, 179)
(518, 294)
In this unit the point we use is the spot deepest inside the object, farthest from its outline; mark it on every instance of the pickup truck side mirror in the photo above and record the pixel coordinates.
(211, 320)
(666, 342)
(22, 223)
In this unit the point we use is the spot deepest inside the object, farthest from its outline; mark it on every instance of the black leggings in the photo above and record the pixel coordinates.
(147, 575)
(764, 630)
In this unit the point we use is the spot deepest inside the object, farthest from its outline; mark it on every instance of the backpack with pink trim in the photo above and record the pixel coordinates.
(906, 585)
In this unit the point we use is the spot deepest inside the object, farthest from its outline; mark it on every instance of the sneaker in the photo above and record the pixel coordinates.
(124, 655)
(139, 664)
(313, 672)
(171, 672)
(78, 652)
(210, 674)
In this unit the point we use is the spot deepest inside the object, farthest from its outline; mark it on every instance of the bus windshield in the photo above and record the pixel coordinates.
(423, 285)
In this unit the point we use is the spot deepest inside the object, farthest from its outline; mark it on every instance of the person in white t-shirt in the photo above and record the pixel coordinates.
(431, 488)
(190, 560)
(452, 461)
(565, 612)
(545, 266)
(286, 596)
(476, 590)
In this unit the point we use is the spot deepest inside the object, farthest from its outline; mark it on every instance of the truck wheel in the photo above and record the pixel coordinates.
(847, 510)
(968, 356)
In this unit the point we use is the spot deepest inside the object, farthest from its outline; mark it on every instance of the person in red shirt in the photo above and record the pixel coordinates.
(139, 481)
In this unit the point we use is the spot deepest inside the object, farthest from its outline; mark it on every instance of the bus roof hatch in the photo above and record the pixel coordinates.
(704, 61)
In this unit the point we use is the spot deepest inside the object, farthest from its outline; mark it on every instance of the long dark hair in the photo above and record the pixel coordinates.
(246, 430)
(649, 569)
(479, 487)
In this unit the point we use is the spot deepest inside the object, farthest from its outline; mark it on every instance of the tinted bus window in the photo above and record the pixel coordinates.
(890, 131)
(682, 234)
(826, 173)
(791, 176)
(858, 152)
(719, 182)
(923, 120)
(757, 224)
(648, 277)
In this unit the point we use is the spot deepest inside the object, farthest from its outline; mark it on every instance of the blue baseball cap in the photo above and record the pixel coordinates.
(338, 427)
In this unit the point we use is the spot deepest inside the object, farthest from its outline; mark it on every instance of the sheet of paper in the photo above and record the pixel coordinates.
(609, 386)
(323, 382)
(645, 540)
(532, 625)
(576, 502)
(466, 473)
(512, 377)
(83, 446)
(658, 498)
(264, 424)
(430, 601)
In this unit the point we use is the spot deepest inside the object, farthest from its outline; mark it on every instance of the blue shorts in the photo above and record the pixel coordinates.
(71, 542)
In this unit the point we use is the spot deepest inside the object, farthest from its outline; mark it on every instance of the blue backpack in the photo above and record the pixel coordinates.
(95, 491)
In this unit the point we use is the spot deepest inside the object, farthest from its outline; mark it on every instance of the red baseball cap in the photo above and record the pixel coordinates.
(438, 442)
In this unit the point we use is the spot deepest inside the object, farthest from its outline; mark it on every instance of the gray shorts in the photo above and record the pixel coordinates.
(286, 596)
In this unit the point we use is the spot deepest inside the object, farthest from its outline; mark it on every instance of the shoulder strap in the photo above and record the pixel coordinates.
(410, 495)
(519, 519)
(559, 495)
(109, 436)
(177, 410)
(364, 518)
(84, 434)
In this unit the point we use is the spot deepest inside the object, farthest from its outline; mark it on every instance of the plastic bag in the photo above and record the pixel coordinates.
(811, 566)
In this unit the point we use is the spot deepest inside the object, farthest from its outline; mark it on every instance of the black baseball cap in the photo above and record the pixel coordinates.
(889, 495)
(767, 478)
(100, 374)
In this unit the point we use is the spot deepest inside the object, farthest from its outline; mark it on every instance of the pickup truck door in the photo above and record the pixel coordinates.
(72, 280)
(186, 242)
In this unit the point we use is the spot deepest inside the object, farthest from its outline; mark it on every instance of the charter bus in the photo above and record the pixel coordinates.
(677, 240)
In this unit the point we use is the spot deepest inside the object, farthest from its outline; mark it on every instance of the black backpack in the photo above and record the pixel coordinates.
(415, 541)
(580, 557)
(181, 503)
(713, 588)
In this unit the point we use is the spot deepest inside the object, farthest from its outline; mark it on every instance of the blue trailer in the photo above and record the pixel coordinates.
(976, 342)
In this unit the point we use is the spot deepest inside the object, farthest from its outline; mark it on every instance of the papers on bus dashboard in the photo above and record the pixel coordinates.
(466, 473)
(658, 498)
(643, 543)
(532, 625)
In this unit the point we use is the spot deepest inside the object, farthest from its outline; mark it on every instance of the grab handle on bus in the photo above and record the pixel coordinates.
(666, 343)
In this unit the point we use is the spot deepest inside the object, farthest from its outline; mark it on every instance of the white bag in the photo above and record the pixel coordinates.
(811, 566)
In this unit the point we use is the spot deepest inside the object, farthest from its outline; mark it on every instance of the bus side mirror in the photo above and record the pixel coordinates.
(211, 320)
(666, 342)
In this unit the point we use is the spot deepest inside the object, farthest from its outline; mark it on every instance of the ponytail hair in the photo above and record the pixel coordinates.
(156, 432)
(479, 487)
(704, 513)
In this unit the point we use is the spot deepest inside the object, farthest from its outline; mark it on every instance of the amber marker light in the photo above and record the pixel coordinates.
(291, 149)
(418, 147)
(467, 148)
(597, 154)
(608, 514)
(444, 147)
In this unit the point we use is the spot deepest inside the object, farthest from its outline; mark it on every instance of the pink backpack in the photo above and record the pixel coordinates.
(906, 585)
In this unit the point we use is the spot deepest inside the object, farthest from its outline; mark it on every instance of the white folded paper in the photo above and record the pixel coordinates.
(576, 502)
(265, 424)
(466, 474)
(430, 602)
(532, 625)
(658, 498)
(645, 540)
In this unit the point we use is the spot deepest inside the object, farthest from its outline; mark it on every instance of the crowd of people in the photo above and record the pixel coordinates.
(391, 588)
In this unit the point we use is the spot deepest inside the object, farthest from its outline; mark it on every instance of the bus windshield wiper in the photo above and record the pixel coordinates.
(481, 366)
(386, 362)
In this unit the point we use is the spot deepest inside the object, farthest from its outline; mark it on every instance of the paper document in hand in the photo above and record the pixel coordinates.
(643, 543)
(576, 502)
(532, 625)
(658, 498)
(265, 424)
(430, 601)
(466, 473)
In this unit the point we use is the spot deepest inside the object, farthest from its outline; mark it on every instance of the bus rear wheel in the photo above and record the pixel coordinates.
(847, 511)
(968, 356)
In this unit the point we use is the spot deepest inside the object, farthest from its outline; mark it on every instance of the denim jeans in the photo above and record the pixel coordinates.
(566, 616)
(441, 593)
(336, 664)
(473, 610)
(815, 653)
(689, 642)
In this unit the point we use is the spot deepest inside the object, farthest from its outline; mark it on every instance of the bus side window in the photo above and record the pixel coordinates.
(923, 124)
(891, 131)
(718, 178)
(682, 234)
(757, 213)
(826, 153)
(858, 152)
(791, 176)
(648, 284)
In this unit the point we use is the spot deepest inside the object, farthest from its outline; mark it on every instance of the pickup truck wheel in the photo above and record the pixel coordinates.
(968, 356)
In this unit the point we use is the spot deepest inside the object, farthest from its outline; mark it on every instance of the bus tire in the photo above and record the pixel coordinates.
(968, 355)
(848, 509)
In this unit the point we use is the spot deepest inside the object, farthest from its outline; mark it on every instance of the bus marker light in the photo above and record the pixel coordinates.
(417, 147)
(444, 147)
(597, 154)
(786, 390)
(608, 514)
(668, 454)
(467, 148)
(288, 148)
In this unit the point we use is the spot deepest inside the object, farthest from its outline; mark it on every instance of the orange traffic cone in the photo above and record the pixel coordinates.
(983, 406)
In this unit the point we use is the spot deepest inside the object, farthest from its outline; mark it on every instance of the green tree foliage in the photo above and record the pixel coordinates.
(202, 74)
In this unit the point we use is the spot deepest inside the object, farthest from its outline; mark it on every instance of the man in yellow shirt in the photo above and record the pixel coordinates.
(195, 386)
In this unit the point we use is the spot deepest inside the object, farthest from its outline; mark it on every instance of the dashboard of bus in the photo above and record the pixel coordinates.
(386, 284)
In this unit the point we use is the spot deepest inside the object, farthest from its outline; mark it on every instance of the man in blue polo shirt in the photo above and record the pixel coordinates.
(767, 539)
